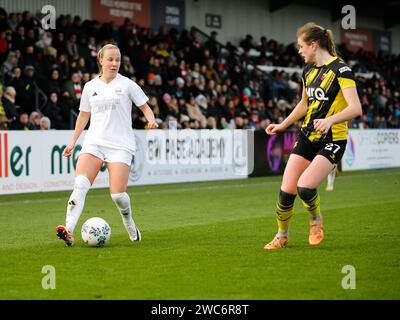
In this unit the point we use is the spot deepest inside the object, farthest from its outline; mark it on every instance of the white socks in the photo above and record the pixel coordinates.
(76, 202)
(123, 203)
(331, 180)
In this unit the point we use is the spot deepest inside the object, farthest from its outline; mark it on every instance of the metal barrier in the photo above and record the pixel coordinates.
(72, 118)
(224, 52)
(39, 93)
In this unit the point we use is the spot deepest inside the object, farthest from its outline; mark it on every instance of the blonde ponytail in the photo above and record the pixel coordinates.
(331, 47)
(324, 37)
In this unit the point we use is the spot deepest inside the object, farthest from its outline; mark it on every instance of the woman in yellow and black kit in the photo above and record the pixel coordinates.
(329, 100)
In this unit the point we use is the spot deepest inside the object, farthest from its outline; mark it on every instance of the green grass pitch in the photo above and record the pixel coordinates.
(205, 241)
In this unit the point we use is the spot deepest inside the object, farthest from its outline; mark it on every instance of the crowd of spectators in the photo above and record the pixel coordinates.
(377, 75)
(190, 83)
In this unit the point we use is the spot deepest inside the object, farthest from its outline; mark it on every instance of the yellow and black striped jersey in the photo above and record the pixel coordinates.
(324, 86)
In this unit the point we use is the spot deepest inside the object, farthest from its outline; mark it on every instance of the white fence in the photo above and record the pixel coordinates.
(32, 161)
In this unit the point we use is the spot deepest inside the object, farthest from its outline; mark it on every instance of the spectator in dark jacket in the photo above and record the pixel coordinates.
(74, 87)
(8, 101)
(52, 110)
(18, 83)
(29, 99)
(22, 123)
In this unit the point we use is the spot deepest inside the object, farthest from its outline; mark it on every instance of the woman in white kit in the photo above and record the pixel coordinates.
(107, 102)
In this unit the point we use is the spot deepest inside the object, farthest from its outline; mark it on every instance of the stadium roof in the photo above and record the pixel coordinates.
(387, 10)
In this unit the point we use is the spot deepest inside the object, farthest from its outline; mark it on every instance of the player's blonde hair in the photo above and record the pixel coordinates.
(324, 37)
(100, 55)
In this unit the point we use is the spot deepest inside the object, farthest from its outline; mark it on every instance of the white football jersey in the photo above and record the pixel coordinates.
(110, 106)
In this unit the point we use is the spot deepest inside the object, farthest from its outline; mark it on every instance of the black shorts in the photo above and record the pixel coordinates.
(333, 150)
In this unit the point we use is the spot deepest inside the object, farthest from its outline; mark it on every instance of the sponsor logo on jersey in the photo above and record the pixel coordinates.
(316, 93)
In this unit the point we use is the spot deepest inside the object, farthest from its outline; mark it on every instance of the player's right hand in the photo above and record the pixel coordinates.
(68, 150)
(273, 128)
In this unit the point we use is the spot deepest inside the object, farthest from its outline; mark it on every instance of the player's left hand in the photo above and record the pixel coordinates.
(152, 125)
(322, 125)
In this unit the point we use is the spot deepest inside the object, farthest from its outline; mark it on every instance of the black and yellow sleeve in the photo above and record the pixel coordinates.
(346, 77)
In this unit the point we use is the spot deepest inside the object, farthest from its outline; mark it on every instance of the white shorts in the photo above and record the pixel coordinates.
(108, 154)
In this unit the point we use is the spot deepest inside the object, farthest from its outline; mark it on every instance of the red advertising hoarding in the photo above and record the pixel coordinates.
(138, 11)
(356, 39)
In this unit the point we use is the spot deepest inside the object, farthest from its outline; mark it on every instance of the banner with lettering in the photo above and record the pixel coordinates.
(138, 11)
(168, 13)
(366, 39)
(32, 161)
(372, 149)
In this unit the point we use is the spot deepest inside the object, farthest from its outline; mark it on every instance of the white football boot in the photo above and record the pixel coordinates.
(133, 231)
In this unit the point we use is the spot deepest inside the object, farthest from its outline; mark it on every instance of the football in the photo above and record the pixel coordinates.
(96, 232)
